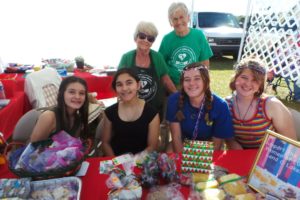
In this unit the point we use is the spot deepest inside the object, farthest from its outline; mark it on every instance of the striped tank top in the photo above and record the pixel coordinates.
(250, 133)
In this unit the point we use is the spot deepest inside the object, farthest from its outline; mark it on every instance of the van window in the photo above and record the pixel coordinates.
(211, 20)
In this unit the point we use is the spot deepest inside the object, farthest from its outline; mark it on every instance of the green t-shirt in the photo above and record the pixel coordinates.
(181, 51)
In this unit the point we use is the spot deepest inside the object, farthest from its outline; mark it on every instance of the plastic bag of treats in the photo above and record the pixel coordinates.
(150, 173)
(14, 188)
(123, 187)
(139, 158)
(165, 192)
(167, 168)
(218, 171)
(124, 183)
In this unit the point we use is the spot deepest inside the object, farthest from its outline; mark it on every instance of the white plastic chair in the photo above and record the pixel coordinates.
(25, 125)
(41, 87)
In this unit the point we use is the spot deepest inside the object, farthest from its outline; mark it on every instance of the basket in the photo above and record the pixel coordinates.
(3, 145)
(13, 156)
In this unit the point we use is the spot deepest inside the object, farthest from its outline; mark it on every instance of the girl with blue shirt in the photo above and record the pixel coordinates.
(195, 113)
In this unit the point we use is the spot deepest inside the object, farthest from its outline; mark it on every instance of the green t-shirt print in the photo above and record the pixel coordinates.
(181, 57)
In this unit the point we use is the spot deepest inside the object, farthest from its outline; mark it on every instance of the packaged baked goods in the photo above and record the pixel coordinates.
(229, 178)
(211, 194)
(201, 186)
(235, 188)
(233, 184)
(247, 196)
(201, 177)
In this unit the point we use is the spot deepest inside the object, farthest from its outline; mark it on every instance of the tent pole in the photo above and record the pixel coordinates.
(247, 18)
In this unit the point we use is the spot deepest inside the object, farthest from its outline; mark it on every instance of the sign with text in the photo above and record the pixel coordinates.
(277, 167)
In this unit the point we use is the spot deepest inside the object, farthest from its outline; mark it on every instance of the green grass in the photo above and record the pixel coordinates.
(221, 71)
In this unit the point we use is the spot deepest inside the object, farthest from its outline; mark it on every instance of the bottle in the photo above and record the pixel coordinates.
(2, 92)
(1, 66)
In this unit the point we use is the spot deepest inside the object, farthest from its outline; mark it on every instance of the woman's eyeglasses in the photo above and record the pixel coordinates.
(143, 36)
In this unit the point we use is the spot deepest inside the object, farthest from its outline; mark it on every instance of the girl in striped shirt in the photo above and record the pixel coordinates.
(252, 111)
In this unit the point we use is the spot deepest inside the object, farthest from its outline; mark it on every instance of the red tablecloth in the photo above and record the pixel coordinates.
(15, 82)
(236, 161)
(19, 105)
(94, 187)
(99, 84)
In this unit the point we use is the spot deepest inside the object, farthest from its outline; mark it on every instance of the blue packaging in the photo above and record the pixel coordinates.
(62, 72)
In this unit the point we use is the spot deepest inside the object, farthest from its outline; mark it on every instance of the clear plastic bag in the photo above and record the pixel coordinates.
(15, 188)
(165, 192)
(123, 183)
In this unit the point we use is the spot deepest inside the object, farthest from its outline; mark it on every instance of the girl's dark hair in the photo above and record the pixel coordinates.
(82, 114)
(128, 71)
(207, 92)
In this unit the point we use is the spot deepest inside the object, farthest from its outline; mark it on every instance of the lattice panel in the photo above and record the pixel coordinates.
(274, 35)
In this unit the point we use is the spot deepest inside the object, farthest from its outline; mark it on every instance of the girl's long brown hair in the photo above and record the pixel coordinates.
(207, 92)
(82, 112)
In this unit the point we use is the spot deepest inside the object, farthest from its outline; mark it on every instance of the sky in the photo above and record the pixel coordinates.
(100, 31)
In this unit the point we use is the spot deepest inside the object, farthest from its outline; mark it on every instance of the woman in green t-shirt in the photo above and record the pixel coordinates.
(149, 65)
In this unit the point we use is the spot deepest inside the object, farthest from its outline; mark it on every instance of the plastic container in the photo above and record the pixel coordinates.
(62, 72)
(59, 188)
(2, 92)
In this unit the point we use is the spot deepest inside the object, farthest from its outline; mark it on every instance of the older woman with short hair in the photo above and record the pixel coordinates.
(183, 45)
(149, 65)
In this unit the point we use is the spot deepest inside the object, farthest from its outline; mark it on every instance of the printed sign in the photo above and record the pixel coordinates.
(277, 167)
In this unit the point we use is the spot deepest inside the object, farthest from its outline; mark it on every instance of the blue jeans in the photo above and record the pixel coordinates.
(296, 92)
(296, 96)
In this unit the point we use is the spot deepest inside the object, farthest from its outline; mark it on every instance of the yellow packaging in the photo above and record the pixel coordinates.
(208, 184)
(248, 196)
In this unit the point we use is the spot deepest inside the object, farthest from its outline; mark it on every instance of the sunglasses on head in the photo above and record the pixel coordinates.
(143, 36)
(256, 68)
(194, 67)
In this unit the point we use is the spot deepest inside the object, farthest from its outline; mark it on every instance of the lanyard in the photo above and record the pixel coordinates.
(195, 132)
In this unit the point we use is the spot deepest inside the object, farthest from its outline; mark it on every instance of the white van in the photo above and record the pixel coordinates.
(222, 30)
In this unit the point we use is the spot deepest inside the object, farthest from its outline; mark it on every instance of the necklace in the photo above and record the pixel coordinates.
(195, 132)
(238, 109)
